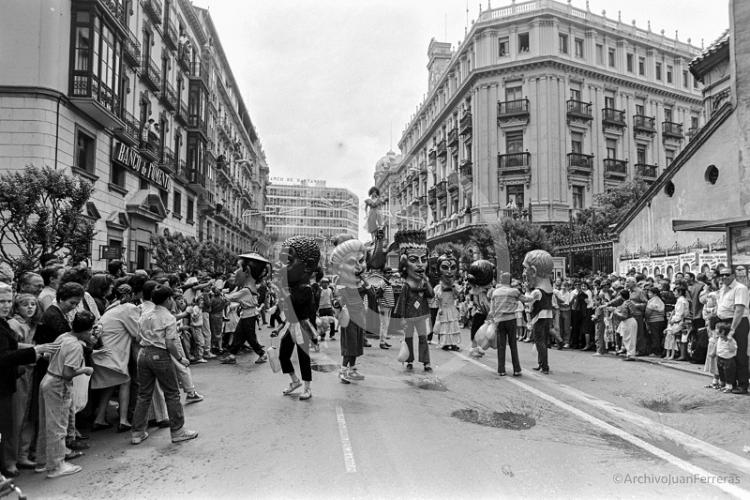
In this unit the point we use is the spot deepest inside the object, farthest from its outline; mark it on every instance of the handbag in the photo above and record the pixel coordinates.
(403, 352)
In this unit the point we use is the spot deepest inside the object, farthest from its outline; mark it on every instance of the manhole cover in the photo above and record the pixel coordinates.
(502, 420)
(324, 368)
(428, 384)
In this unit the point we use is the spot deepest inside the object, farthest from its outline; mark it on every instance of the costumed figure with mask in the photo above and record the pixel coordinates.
(479, 277)
(300, 256)
(348, 261)
(377, 278)
(447, 327)
(537, 266)
(251, 268)
(412, 313)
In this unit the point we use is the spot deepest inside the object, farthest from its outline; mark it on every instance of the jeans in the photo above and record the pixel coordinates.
(285, 355)
(541, 336)
(156, 364)
(55, 402)
(656, 329)
(418, 325)
(564, 320)
(385, 321)
(601, 346)
(506, 333)
(246, 331)
(216, 322)
(740, 336)
(23, 426)
(206, 334)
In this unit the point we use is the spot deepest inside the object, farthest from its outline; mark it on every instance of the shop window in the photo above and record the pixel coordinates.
(712, 174)
(85, 157)
(164, 195)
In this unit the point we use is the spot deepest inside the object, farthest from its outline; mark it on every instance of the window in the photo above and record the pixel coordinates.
(669, 74)
(190, 208)
(177, 204)
(658, 71)
(609, 102)
(117, 175)
(578, 197)
(563, 44)
(712, 174)
(640, 154)
(575, 94)
(685, 78)
(579, 47)
(523, 42)
(513, 93)
(630, 63)
(502, 46)
(642, 66)
(164, 195)
(576, 142)
(599, 54)
(514, 196)
(639, 110)
(611, 148)
(612, 54)
(694, 122)
(85, 157)
(667, 114)
(514, 142)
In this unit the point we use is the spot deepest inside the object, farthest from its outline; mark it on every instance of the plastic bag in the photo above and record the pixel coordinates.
(273, 359)
(486, 336)
(80, 392)
(403, 352)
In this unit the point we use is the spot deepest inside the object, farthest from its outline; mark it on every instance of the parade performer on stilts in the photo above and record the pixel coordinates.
(447, 327)
(412, 311)
(348, 261)
(377, 278)
(300, 258)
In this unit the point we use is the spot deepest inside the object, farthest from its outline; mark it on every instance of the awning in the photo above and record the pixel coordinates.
(712, 226)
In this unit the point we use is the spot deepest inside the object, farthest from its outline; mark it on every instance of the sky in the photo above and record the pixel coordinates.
(331, 84)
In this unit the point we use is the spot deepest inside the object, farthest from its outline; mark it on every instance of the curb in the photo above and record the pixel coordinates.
(682, 368)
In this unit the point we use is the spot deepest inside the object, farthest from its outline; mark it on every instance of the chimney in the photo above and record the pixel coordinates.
(439, 54)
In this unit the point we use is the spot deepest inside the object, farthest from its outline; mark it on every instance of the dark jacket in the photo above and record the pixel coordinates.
(11, 357)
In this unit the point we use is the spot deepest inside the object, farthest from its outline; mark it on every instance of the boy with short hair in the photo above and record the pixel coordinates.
(55, 397)
(726, 351)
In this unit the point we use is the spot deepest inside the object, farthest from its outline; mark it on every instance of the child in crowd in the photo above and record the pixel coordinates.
(196, 323)
(600, 312)
(711, 365)
(55, 397)
(726, 350)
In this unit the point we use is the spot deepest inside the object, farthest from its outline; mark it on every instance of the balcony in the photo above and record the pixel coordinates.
(197, 124)
(131, 50)
(517, 214)
(441, 149)
(643, 124)
(648, 173)
(514, 163)
(197, 179)
(170, 34)
(168, 160)
(441, 189)
(168, 96)
(465, 123)
(129, 132)
(181, 171)
(153, 9)
(467, 170)
(452, 137)
(150, 73)
(453, 182)
(181, 113)
(199, 72)
(432, 195)
(95, 99)
(613, 118)
(615, 169)
(150, 146)
(671, 130)
(579, 110)
(511, 112)
(580, 164)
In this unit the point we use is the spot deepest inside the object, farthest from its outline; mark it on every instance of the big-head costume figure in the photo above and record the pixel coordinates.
(447, 327)
(537, 267)
(412, 312)
(479, 278)
(300, 258)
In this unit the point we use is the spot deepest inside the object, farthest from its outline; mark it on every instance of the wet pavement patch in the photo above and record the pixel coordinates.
(324, 368)
(428, 384)
(674, 404)
(502, 420)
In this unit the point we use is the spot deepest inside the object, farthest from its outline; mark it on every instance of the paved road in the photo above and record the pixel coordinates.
(594, 428)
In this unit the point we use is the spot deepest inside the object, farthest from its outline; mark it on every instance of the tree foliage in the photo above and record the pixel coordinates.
(521, 237)
(41, 211)
(175, 252)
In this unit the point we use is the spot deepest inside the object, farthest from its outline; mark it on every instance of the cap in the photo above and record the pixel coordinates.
(725, 271)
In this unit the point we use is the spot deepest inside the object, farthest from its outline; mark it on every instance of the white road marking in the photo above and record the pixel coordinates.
(346, 445)
(668, 457)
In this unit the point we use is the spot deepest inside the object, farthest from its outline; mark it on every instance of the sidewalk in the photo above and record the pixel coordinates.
(683, 366)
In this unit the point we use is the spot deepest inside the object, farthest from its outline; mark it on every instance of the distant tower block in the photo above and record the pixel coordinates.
(439, 54)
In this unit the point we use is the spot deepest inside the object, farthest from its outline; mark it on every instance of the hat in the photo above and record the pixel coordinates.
(254, 256)
(725, 271)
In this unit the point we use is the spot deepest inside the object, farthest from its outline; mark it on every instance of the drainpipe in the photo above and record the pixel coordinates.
(57, 128)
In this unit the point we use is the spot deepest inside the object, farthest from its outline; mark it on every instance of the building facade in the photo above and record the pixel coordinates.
(299, 207)
(138, 98)
(541, 107)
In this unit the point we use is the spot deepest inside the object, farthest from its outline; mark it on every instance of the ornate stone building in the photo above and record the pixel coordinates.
(138, 98)
(542, 106)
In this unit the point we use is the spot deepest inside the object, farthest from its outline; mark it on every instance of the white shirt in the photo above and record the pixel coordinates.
(729, 296)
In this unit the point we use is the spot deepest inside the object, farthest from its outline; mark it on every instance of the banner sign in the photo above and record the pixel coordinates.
(131, 158)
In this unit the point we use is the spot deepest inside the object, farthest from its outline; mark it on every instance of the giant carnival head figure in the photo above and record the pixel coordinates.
(348, 260)
(251, 268)
(537, 266)
(300, 257)
(412, 250)
(481, 273)
(447, 267)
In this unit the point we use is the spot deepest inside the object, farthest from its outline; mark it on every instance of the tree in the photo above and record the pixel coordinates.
(41, 211)
(521, 237)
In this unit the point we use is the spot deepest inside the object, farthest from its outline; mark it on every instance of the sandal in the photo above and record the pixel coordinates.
(293, 386)
(305, 395)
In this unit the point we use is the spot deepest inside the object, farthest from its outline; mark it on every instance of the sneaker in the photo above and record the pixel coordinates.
(201, 360)
(261, 359)
(355, 375)
(193, 398)
(65, 469)
(210, 356)
(138, 438)
(183, 435)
